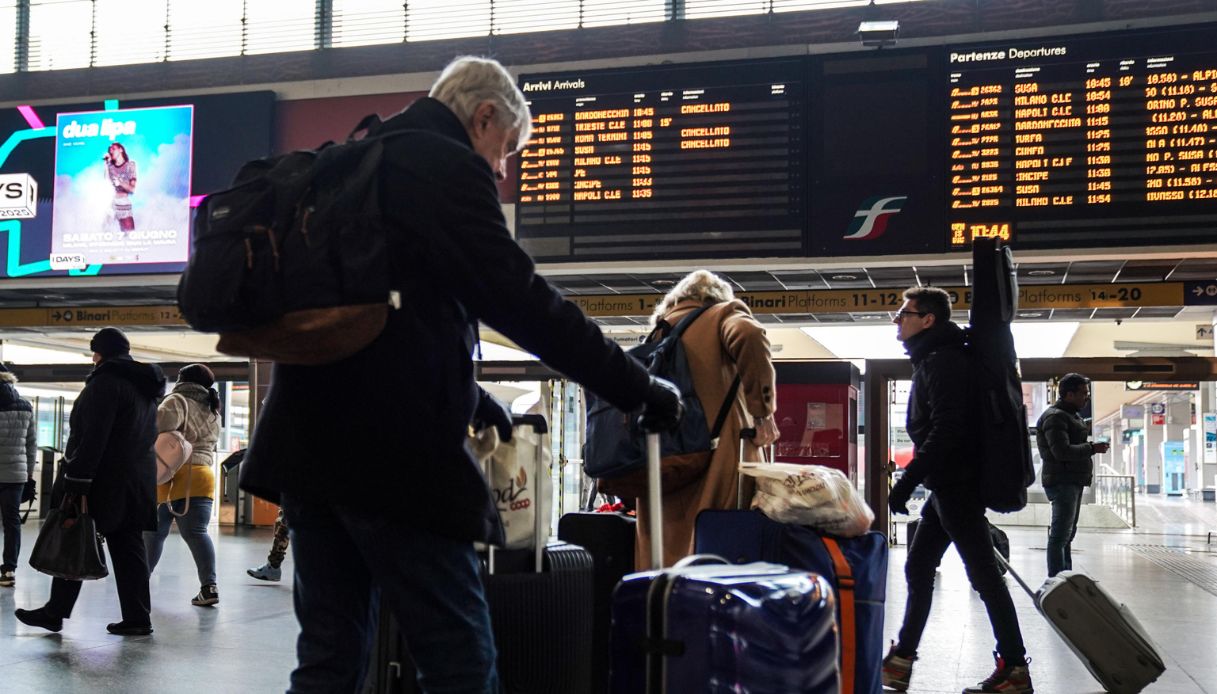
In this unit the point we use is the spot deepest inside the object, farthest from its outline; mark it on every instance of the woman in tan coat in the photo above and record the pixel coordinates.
(724, 340)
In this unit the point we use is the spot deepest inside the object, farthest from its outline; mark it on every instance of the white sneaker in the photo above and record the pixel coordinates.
(266, 572)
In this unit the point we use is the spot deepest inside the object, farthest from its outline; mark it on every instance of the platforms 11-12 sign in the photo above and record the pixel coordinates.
(1100, 142)
(702, 161)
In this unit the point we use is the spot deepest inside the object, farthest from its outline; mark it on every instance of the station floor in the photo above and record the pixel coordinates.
(1164, 571)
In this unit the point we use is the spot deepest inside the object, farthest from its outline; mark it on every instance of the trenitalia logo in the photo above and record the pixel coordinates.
(870, 221)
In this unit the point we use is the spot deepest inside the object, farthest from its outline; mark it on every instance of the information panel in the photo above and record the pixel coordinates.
(1105, 141)
(703, 161)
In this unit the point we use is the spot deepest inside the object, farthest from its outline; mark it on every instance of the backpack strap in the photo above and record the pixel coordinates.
(724, 410)
(369, 123)
(845, 591)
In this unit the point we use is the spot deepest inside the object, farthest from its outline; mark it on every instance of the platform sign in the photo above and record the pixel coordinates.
(67, 317)
(1041, 297)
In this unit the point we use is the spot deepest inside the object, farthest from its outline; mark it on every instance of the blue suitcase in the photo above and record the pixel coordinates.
(758, 628)
(754, 629)
(749, 536)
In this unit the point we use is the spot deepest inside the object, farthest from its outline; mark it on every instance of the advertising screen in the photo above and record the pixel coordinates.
(122, 187)
(669, 161)
(108, 187)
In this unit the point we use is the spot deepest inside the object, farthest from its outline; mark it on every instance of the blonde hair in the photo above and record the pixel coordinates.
(699, 285)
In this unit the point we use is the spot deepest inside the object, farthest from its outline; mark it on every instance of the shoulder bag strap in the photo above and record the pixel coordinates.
(845, 590)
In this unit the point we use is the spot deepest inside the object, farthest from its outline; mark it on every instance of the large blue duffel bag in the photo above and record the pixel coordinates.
(856, 567)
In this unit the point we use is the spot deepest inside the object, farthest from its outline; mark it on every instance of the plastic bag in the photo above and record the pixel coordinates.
(814, 495)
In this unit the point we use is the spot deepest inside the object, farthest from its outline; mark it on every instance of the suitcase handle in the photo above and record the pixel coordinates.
(655, 500)
(1002, 561)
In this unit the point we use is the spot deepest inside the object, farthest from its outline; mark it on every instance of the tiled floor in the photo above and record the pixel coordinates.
(246, 643)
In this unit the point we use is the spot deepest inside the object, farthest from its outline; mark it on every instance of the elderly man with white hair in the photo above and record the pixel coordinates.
(368, 456)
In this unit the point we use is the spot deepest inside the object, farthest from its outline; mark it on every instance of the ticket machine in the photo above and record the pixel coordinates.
(817, 414)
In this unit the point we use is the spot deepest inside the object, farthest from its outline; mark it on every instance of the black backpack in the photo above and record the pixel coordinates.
(291, 264)
(615, 449)
(1003, 444)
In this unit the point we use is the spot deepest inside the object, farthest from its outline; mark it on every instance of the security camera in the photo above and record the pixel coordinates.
(878, 33)
(1119, 321)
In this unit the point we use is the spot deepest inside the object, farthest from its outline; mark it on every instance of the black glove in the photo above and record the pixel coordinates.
(77, 487)
(492, 412)
(663, 407)
(898, 497)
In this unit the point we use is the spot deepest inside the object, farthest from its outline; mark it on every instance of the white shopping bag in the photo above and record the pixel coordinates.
(814, 495)
(518, 472)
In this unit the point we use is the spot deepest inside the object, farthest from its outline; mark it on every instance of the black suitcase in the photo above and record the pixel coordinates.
(1001, 542)
(610, 538)
(540, 609)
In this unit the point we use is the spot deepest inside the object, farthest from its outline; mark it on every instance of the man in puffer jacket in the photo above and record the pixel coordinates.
(18, 454)
(1061, 435)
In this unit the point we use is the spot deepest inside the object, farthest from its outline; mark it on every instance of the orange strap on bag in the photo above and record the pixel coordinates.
(849, 637)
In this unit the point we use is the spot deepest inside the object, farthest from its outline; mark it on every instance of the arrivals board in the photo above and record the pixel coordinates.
(1096, 142)
(667, 161)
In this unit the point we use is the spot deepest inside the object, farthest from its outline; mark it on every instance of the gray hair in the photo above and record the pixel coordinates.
(699, 285)
(469, 81)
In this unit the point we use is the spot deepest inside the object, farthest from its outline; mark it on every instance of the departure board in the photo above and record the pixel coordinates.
(1083, 143)
(664, 162)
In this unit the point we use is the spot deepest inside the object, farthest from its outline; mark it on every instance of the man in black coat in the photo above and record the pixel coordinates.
(368, 455)
(939, 417)
(110, 465)
(1061, 435)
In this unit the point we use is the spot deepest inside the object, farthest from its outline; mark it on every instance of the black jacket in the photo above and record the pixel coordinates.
(386, 427)
(113, 429)
(1061, 435)
(938, 411)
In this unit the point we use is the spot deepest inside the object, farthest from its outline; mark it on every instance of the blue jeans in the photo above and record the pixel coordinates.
(10, 513)
(344, 557)
(1066, 507)
(193, 527)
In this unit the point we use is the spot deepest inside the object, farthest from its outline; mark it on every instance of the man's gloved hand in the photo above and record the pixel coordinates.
(898, 497)
(663, 406)
(77, 487)
(492, 412)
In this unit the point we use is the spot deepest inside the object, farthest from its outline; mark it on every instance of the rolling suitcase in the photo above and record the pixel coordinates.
(609, 538)
(1102, 632)
(856, 569)
(759, 628)
(540, 602)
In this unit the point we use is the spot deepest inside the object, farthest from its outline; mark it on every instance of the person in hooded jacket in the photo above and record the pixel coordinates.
(193, 408)
(944, 459)
(18, 455)
(109, 462)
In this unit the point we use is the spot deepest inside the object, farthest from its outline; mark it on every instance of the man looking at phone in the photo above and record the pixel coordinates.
(1061, 436)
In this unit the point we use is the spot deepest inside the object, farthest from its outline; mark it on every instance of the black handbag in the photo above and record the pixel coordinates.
(27, 497)
(68, 545)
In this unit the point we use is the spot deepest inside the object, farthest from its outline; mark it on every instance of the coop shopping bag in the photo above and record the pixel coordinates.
(518, 472)
(813, 495)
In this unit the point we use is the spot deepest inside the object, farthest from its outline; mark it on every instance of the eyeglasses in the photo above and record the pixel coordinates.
(905, 313)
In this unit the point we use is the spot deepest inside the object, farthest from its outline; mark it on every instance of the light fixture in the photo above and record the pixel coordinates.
(879, 33)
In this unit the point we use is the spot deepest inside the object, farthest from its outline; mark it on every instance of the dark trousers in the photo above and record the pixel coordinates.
(10, 513)
(347, 556)
(1066, 507)
(129, 565)
(957, 516)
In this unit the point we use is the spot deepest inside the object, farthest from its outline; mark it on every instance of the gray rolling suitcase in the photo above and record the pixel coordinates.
(1101, 631)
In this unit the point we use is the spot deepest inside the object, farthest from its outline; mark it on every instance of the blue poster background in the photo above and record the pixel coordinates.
(85, 227)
